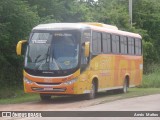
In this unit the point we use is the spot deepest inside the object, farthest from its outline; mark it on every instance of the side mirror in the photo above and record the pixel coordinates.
(86, 48)
(19, 46)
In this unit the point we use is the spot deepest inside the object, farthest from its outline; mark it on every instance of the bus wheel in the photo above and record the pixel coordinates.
(45, 97)
(125, 87)
(92, 93)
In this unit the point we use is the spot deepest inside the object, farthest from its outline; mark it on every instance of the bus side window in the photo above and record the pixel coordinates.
(122, 45)
(138, 48)
(129, 46)
(118, 43)
(106, 40)
(125, 45)
(133, 46)
(99, 50)
(115, 44)
(96, 43)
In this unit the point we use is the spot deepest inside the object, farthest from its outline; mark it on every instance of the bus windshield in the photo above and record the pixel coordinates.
(56, 50)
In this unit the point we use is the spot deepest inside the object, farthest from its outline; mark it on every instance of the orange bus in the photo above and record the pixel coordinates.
(80, 58)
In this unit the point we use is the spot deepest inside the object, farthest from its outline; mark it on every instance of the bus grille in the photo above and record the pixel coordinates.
(43, 83)
(51, 90)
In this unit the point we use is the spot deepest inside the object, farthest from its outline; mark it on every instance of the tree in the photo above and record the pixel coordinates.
(16, 21)
(61, 10)
(111, 12)
(146, 16)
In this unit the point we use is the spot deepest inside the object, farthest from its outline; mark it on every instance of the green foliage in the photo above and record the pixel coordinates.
(152, 79)
(61, 10)
(150, 55)
(17, 96)
(112, 12)
(16, 21)
(147, 17)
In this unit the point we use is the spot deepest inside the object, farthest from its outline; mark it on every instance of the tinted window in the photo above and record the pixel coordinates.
(96, 43)
(106, 40)
(125, 45)
(115, 44)
(122, 45)
(86, 36)
(131, 46)
(138, 49)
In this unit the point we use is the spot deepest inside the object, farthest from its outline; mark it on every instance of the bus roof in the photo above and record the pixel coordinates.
(59, 26)
(95, 26)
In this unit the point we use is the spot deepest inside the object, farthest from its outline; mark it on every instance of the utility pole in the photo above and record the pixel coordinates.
(130, 11)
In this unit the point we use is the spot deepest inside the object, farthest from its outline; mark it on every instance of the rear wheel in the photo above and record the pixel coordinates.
(92, 93)
(45, 97)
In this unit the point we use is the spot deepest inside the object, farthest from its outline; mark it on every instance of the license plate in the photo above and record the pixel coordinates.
(48, 88)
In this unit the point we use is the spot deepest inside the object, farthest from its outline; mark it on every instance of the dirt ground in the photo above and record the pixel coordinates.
(147, 103)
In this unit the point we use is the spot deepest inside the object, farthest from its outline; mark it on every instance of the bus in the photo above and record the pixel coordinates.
(80, 58)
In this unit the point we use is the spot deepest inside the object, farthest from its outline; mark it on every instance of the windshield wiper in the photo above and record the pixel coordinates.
(37, 58)
(46, 57)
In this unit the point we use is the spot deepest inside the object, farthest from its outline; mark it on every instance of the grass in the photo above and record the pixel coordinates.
(151, 80)
(16, 96)
(24, 98)
(133, 92)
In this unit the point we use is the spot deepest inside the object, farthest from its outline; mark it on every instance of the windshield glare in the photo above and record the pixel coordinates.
(56, 50)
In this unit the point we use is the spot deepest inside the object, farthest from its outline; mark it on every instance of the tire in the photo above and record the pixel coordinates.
(125, 87)
(45, 97)
(92, 93)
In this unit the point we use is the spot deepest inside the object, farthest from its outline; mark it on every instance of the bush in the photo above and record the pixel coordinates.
(152, 80)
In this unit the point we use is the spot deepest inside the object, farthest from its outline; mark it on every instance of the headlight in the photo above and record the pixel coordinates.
(70, 82)
(27, 80)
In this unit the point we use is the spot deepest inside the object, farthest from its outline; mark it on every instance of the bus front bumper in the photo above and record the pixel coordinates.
(50, 88)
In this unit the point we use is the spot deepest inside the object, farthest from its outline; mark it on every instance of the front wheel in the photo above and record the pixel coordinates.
(45, 97)
(92, 93)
